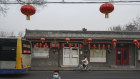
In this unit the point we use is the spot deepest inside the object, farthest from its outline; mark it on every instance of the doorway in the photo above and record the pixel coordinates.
(70, 56)
(122, 56)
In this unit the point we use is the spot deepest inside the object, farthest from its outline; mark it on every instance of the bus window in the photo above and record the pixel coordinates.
(26, 47)
(8, 50)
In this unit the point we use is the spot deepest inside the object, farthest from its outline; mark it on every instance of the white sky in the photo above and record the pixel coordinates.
(68, 17)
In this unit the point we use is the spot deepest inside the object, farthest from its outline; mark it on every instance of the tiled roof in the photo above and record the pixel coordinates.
(82, 34)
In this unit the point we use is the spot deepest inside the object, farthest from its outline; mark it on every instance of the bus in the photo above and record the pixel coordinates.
(15, 55)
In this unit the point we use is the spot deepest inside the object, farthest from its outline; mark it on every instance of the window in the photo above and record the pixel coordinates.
(42, 52)
(26, 47)
(97, 55)
(8, 49)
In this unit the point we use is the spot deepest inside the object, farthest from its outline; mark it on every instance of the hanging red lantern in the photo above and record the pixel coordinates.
(136, 42)
(114, 41)
(99, 46)
(138, 45)
(89, 40)
(108, 47)
(80, 46)
(106, 8)
(50, 45)
(75, 45)
(42, 39)
(46, 45)
(40, 45)
(89, 46)
(94, 46)
(28, 10)
(37, 45)
(69, 45)
(67, 40)
(58, 45)
(103, 46)
(63, 45)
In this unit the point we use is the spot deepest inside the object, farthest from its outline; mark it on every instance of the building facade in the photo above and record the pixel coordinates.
(64, 49)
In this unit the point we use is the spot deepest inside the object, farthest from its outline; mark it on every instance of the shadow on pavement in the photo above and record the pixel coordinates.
(19, 75)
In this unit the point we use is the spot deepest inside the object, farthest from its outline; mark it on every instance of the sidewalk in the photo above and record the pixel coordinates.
(94, 69)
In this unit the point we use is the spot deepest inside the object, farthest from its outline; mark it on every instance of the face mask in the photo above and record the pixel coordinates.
(55, 76)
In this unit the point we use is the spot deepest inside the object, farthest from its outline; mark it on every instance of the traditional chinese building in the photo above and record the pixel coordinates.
(64, 49)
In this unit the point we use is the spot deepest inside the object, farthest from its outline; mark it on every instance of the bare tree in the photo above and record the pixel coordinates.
(37, 2)
(20, 34)
(136, 22)
(3, 34)
(11, 34)
(3, 8)
(131, 27)
(116, 28)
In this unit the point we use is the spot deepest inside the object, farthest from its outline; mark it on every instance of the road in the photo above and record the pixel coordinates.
(75, 75)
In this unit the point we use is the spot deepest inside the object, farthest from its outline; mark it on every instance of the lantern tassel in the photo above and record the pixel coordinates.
(106, 15)
(27, 17)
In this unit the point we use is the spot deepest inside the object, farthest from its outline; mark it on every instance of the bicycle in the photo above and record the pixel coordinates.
(81, 68)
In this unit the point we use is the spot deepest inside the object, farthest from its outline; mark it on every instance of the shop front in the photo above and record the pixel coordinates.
(64, 50)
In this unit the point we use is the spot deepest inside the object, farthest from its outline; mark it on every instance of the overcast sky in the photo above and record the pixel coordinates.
(68, 17)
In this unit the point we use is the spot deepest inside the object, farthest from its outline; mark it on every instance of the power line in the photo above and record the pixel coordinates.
(66, 2)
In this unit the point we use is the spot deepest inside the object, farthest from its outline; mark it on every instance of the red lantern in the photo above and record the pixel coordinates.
(114, 41)
(94, 46)
(89, 40)
(106, 8)
(75, 45)
(99, 46)
(63, 45)
(58, 45)
(28, 10)
(50, 45)
(136, 42)
(103, 46)
(108, 47)
(80, 46)
(37, 45)
(138, 45)
(67, 39)
(89, 46)
(40, 45)
(69, 45)
(46, 45)
(42, 39)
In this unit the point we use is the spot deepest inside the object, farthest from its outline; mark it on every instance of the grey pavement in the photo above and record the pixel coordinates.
(75, 75)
